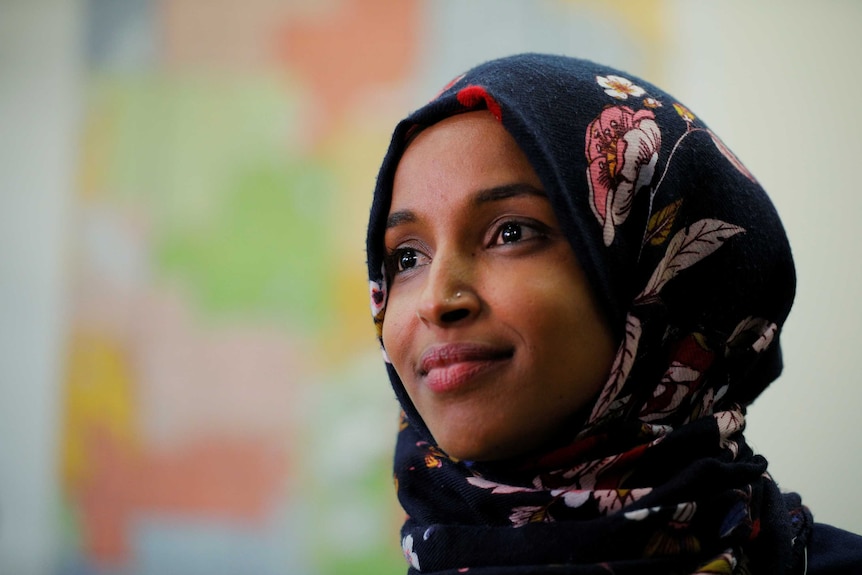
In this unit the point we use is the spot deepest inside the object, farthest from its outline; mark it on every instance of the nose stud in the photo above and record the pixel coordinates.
(448, 309)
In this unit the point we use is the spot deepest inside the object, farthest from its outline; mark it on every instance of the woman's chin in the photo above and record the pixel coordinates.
(482, 447)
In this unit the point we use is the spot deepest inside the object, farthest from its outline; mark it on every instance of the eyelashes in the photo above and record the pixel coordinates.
(514, 231)
(413, 254)
(403, 259)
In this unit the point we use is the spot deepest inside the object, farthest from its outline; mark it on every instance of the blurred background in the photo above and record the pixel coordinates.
(189, 380)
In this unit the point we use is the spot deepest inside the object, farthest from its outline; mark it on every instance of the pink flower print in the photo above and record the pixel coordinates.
(378, 305)
(378, 296)
(619, 87)
(622, 148)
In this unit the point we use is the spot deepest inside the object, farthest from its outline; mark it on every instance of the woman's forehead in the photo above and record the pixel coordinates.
(468, 152)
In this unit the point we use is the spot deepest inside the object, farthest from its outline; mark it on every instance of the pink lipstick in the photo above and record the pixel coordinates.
(449, 367)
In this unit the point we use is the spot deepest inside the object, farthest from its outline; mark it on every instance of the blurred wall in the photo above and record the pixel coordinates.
(161, 161)
(40, 97)
(779, 81)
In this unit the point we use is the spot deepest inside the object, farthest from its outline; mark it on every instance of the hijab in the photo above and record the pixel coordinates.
(691, 267)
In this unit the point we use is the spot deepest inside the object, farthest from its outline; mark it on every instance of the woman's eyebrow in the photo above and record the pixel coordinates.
(484, 196)
(507, 191)
(401, 217)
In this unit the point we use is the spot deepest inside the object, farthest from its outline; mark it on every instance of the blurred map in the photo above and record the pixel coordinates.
(226, 409)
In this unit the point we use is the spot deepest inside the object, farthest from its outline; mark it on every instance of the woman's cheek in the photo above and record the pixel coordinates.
(394, 331)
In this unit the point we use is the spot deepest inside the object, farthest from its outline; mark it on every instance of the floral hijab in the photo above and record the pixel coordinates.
(693, 271)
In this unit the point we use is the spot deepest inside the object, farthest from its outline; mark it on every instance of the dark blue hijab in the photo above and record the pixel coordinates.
(692, 269)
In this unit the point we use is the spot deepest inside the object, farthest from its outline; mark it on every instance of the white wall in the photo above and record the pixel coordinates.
(38, 112)
(781, 82)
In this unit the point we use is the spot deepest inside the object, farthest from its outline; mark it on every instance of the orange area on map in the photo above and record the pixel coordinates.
(112, 474)
(216, 479)
(365, 43)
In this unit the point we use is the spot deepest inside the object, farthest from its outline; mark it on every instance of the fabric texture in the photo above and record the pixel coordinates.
(833, 551)
(693, 270)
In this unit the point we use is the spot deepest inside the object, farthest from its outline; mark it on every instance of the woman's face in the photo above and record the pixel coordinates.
(489, 322)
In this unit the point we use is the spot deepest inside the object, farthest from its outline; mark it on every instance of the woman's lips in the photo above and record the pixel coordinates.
(448, 367)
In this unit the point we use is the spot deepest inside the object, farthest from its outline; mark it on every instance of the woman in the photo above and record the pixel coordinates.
(578, 289)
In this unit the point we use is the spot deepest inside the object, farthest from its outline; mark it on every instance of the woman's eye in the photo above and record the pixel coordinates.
(406, 259)
(510, 232)
(403, 259)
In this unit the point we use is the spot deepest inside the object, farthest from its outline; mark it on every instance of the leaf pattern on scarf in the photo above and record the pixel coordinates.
(530, 514)
(674, 387)
(710, 397)
(680, 391)
(573, 498)
(758, 329)
(584, 474)
(660, 224)
(640, 514)
(497, 488)
(765, 339)
(613, 500)
(688, 246)
(409, 555)
(730, 423)
(620, 369)
(685, 512)
(522, 515)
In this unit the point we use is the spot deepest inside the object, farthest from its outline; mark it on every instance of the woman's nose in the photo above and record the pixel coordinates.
(448, 296)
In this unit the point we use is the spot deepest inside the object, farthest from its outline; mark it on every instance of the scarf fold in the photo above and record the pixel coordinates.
(692, 268)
